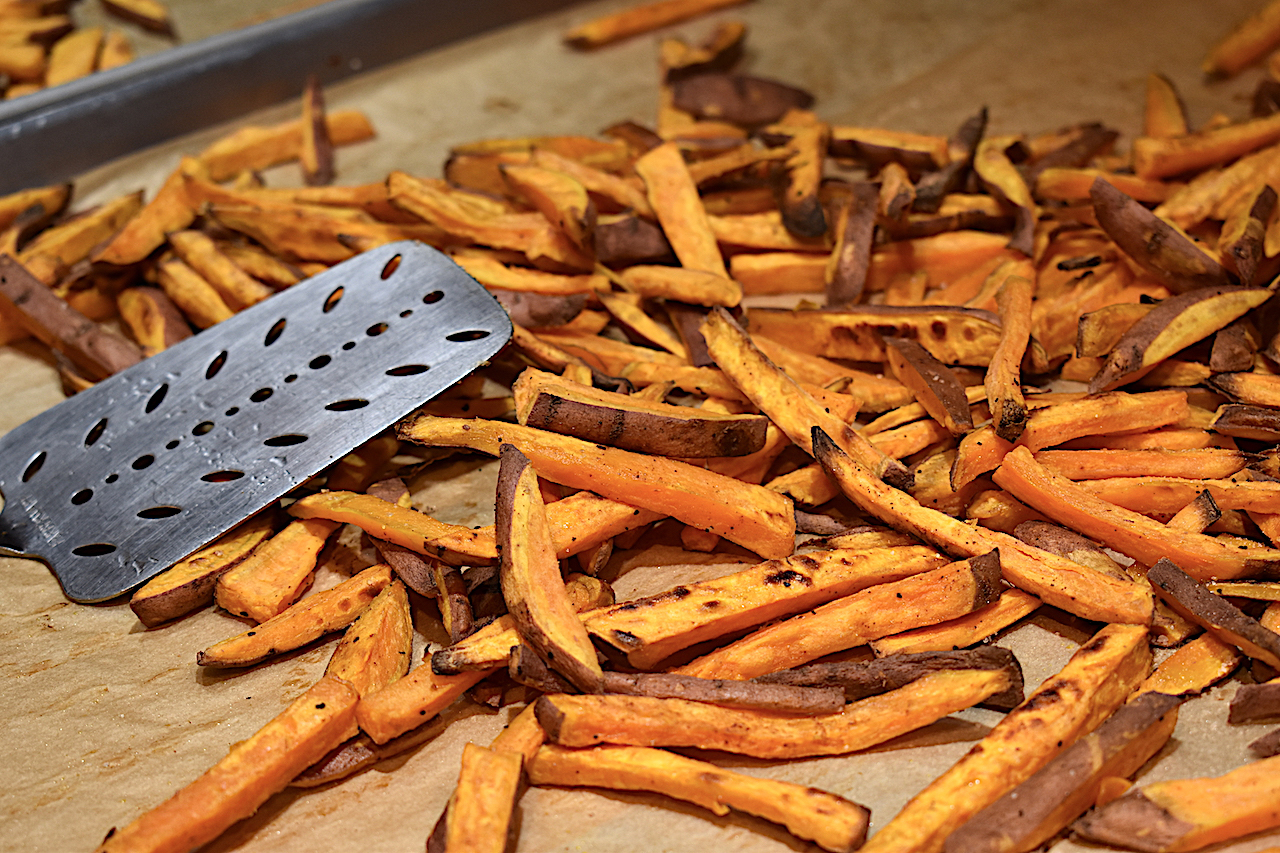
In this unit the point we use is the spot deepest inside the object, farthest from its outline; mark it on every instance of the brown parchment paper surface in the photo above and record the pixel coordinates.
(106, 719)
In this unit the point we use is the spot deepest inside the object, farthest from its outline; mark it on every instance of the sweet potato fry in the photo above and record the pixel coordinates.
(276, 573)
(194, 296)
(961, 632)
(830, 821)
(935, 387)
(558, 196)
(642, 721)
(237, 288)
(1255, 702)
(1003, 379)
(478, 816)
(1062, 790)
(674, 198)
(1190, 598)
(1247, 43)
(94, 350)
(860, 679)
(1187, 814)
(1126, 531)
(315, 155)
(545, 401)
(1152, 243)
(1153, 495)
(1055, 580)
(639, 19)
(530, 576)
(188, 584)
(1173, 325)
(1068, 705)
(788, 405)
(731, 693)
(403, 526)
(151, 318)
(653, 628)
(749, 515)
(951, 335)
(889, 608)
(151, 15)
(1209, 463)
(251, 772)
(255, 148)
(73, 56)
(1162, 158)
(374, 651)
(303, 622)
(1194, 667)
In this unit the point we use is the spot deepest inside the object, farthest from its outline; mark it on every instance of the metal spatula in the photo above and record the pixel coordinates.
(120, 481)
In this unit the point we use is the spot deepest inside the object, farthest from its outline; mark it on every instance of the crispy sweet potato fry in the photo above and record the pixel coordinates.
(888, 608)
(194, 296)
(1003, 379)
(188, 584)
(639, 19)
(1068, 705)
(531, 581)
(732, 693)
(935, 387)
(757, 518)
(477, 818)
(638, 720)
(276, 573)
(251, 772)
(307, 620)
(374, 651)
(788, 405)
(1193, 667)
(545, 401)
(237, 288)
(1190, 598)
(653, 628)
(830, 821)
(1187, 814)
(1126, 531)
(962, 632)
(151, 318)
(1055, 580)
(1066, 787)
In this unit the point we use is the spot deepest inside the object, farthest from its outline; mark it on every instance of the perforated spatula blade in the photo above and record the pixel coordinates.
(122, 480)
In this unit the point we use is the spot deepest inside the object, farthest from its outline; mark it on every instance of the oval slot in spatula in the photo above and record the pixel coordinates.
(117, 483)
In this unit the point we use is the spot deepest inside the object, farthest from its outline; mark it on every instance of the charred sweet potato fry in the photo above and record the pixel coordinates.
(251, 772)
(1003, 380)
(830, 821)
(653, 628)
(888, 608)
(731, 693)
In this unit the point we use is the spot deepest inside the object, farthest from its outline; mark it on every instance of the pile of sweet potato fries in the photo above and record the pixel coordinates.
(1022, 371)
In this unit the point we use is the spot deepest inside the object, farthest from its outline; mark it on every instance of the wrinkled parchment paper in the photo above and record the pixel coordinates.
(106, 719)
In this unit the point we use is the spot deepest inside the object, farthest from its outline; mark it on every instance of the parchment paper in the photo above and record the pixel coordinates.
(106, 719)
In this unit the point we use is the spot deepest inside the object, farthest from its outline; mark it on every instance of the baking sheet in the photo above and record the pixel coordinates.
(107, 719)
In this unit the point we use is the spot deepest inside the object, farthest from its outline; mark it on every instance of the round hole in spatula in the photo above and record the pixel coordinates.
(433, 297)
(82, 497)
